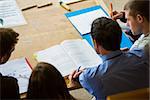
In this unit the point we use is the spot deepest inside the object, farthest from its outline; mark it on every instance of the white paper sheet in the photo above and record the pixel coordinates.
(10, 14)
(19, 69)
(81, 53)
(83, 22)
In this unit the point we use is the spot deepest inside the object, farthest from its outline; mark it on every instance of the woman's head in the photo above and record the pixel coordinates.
(8, 39)
(47, 82)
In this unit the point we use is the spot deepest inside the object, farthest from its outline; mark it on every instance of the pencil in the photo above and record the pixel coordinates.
(45, 5)
(111, 9)
(29, 7)
(64, 6)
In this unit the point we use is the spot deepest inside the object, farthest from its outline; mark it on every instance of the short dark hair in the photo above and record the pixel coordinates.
(8, 39)
(138, 7)
(46, 82)
(107, 33)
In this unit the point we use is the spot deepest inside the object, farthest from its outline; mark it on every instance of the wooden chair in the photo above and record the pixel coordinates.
(139, 94)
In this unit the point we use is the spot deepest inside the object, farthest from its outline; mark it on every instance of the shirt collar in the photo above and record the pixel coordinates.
(111, 55)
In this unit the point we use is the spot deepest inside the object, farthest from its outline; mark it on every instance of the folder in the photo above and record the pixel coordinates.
(82, 21)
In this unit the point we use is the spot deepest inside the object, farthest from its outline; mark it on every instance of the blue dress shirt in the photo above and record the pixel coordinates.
(116, 65)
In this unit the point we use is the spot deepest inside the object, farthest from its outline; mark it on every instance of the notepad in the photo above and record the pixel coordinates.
(69, 55)
(82, 19)
(20, 69)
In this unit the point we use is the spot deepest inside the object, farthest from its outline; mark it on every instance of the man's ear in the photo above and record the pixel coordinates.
(139, 18)
(96, 46)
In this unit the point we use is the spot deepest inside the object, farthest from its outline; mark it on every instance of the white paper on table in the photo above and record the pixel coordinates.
(10, 14)
(19, 69)
(83, 21)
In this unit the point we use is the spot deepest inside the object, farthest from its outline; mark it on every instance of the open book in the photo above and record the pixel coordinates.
(70, 55)
(20, 69)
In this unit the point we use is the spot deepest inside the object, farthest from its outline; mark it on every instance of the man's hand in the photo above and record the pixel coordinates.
(124, 49)
(73, 79)
(119, 15)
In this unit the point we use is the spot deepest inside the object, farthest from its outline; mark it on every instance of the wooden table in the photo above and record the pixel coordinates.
(45, 27)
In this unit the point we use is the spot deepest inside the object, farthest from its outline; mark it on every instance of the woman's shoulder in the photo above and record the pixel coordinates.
(8, 79)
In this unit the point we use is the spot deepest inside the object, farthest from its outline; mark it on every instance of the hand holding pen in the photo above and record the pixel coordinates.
(74, 78)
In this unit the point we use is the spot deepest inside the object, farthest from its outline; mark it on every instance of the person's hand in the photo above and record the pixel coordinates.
(117, 15)
(73, 82)
(125, 49)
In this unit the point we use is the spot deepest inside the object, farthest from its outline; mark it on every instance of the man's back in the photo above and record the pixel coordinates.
(119, 72)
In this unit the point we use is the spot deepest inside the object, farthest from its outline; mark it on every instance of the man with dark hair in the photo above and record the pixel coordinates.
(9, 85)
(137, 15)
(119, 71)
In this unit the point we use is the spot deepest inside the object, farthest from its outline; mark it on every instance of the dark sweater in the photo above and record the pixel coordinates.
(9, 88)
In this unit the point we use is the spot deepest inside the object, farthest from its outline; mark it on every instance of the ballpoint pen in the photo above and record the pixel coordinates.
(1, 21)
(78, 69)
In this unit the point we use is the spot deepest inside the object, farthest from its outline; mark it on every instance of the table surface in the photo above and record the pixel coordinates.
(45, 27)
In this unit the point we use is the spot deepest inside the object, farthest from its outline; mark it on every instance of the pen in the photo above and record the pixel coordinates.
(64, 6)
(78, 69)
(111, 9)
(1, 21)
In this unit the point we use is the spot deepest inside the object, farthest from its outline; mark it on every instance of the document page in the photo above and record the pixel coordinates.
(83, 21)
(82, 53)
(10, 14)
(19, 69)
(58, 57)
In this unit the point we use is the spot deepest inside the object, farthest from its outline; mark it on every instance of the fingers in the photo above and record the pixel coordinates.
(117, 16)
(70, 77)
(77, 73)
